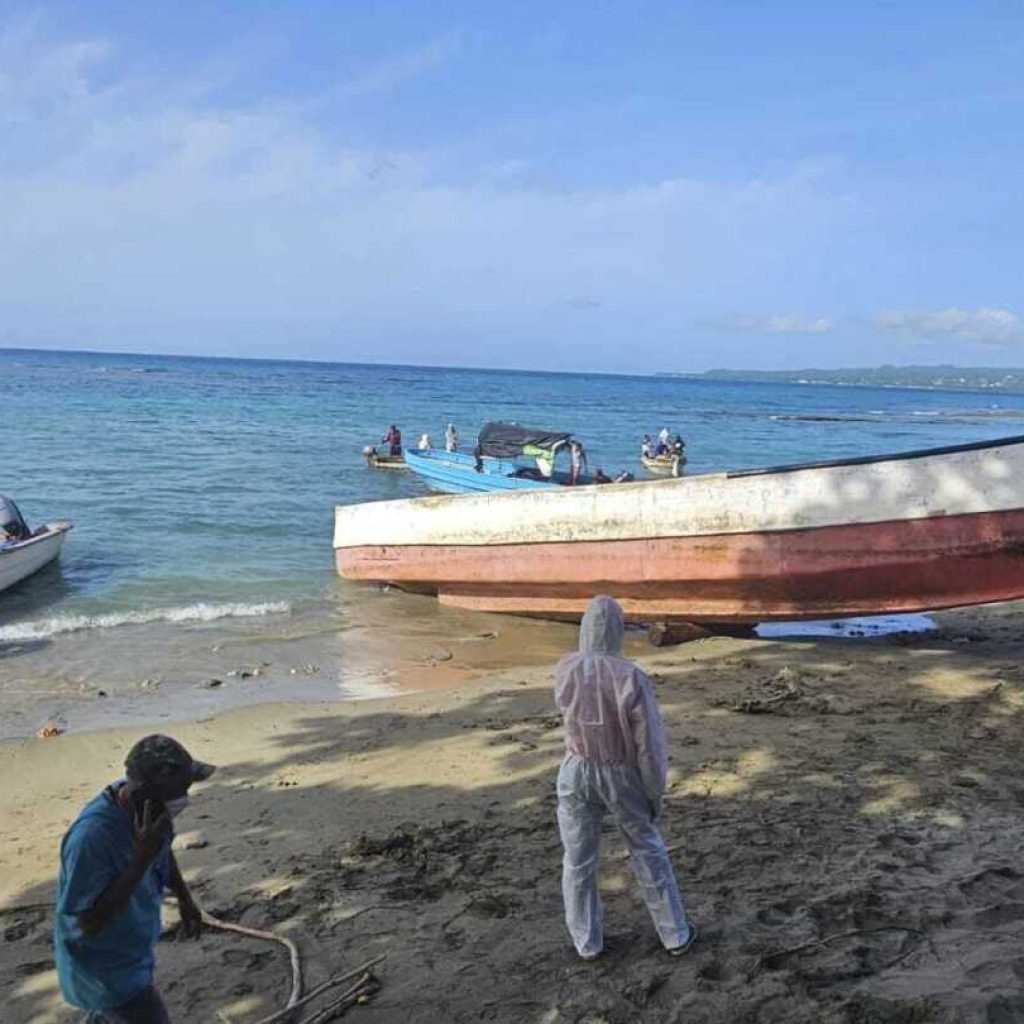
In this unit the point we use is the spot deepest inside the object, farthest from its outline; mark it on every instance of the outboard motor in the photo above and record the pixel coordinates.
(12, 523)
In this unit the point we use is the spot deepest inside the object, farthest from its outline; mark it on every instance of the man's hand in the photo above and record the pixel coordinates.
(151, 834)
(191, 918)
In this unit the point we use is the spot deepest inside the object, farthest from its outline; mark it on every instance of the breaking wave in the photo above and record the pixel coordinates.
(43, 629)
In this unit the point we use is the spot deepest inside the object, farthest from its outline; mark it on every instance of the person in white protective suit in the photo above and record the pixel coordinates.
(615, 763)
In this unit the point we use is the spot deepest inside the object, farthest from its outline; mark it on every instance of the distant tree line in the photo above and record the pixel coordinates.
(956, 378)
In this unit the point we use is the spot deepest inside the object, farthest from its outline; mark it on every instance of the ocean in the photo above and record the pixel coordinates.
(202, 493)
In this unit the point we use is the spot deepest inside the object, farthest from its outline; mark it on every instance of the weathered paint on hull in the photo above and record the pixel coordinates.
(861, 569)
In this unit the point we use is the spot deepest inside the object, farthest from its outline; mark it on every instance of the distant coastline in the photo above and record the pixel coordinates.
(936, 378)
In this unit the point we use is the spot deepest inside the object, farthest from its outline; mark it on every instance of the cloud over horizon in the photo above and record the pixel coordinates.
(782, 323)
(987, 325)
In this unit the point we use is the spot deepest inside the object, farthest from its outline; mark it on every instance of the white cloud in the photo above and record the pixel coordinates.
(987, 325)
(782, 323)
(390, 74)
(144, 213)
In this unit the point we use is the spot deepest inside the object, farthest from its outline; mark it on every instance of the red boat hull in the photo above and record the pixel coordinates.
(842, 570)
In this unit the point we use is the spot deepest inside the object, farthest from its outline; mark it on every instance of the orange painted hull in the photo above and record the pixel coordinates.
(843, 570)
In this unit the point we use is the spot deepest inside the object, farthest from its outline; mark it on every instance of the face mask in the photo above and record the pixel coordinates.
(175, 807)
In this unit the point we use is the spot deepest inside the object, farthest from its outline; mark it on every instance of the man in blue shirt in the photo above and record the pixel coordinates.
(115, 863)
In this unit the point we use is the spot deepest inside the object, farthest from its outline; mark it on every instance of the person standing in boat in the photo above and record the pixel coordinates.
(678, 453)
(424, 441)
(646, 451)
(663, 435)
(577, 462)
(615, 763)
(393, 439)
(451, 438)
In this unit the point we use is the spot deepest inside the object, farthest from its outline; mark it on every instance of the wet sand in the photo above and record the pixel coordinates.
(361, 643)
(845, 818)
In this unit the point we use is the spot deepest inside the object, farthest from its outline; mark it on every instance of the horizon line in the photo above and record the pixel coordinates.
(313, 361)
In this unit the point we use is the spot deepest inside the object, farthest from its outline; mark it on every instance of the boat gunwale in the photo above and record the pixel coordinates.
(56, 529)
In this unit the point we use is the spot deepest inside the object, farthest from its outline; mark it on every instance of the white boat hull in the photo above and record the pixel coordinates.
(907, 532)
(17, 561)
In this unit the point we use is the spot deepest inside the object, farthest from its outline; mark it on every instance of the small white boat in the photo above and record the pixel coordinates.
(664, 465)
(382, 460)
(23, 552)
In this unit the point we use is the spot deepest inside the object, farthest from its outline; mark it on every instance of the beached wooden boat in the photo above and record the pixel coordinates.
(26, 552)
(908, 532)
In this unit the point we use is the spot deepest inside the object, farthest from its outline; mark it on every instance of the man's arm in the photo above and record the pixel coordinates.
(150, 836)
(191, 915)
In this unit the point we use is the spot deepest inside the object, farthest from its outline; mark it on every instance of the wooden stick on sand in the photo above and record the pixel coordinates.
(367, 985)
(330, 983)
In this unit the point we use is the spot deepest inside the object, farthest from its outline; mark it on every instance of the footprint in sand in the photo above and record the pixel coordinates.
(994, 885)
(999, 913)
(1004, 1009)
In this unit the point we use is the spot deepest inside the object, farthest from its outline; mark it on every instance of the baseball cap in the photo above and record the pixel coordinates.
(156, 754)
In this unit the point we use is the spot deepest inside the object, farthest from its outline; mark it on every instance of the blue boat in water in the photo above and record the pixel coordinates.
(507, 457)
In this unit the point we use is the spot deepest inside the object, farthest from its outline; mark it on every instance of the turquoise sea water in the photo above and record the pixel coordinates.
(202, 490)
(210, 483)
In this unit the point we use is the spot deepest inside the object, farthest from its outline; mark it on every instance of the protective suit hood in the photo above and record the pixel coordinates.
(602, 627)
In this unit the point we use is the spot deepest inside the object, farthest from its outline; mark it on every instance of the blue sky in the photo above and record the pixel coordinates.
(574, 186)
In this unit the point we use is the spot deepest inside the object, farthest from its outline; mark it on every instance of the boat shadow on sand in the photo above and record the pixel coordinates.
(844, 818)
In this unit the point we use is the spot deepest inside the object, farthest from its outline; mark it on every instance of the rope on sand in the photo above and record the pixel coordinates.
(255, 933)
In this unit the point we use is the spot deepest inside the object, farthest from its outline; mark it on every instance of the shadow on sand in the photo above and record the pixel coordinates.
(845, 819)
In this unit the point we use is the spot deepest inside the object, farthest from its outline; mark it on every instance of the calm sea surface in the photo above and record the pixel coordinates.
(202, 490)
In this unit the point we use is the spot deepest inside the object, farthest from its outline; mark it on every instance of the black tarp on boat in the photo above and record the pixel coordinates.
(507, 440)
(12, 523)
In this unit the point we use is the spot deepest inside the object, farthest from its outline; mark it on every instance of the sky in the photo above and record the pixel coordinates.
(617, 186)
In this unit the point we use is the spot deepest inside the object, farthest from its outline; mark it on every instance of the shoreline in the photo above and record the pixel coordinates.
(366, 645)
(856, 799)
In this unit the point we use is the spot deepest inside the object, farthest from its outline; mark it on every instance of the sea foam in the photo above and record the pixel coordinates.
(43, 629)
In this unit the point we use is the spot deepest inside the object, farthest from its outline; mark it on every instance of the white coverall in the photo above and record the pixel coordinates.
(615, 762)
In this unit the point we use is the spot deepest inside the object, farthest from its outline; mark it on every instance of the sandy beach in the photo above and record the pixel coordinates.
(844, 815)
